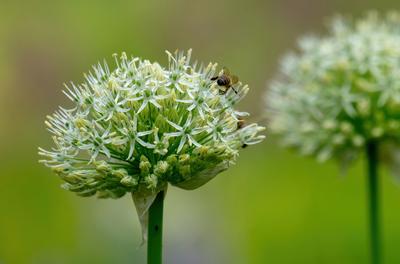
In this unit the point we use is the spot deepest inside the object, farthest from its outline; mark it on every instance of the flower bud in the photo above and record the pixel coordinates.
(161, 168)
(129, 181)
(151, 181)
(119, 173)
(103, 167)
(144, 165)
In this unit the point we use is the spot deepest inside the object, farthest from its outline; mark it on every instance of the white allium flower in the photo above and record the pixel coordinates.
(340, 91)
(140, 126)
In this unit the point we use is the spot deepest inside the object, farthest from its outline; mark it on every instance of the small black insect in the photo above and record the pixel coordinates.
(241, 124)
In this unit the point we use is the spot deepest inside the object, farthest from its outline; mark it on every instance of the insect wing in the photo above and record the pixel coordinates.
(226, 71)
(234, 79)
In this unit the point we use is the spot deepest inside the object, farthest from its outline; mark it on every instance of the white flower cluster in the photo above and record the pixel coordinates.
(342, 90)
(140, 126)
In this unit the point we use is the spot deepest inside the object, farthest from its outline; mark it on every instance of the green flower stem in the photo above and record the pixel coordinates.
(154, 244)
(372, 159)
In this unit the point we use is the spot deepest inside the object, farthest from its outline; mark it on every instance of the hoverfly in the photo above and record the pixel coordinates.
(225, 79)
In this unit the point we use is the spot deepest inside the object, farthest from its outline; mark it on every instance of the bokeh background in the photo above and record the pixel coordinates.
(273, 207)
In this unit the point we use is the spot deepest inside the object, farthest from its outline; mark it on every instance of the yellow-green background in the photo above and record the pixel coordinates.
(272, 207)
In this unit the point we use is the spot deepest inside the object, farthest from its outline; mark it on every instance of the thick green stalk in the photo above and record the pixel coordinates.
(155, 228)
(373, 187)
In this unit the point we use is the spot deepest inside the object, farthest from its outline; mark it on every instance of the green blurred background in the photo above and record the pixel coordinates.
(273, 207)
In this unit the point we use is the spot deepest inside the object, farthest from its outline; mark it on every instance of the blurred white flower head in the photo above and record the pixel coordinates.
(340, 91)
